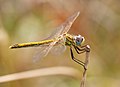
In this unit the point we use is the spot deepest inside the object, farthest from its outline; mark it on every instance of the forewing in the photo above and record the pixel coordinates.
(68, 23)
(64, 27)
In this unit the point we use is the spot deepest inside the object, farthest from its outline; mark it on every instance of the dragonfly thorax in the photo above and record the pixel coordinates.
(78, 40)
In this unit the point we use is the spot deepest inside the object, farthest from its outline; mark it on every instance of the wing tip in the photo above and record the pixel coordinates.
(77, 13)
(74, 16)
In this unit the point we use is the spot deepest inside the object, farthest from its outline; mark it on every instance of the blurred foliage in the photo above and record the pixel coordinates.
(33, 20)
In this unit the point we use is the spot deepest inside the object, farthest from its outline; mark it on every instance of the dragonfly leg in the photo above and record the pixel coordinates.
(76, 60)
(86, 48)
(79, 50)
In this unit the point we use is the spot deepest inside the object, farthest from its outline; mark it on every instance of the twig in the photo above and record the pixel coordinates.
(86, 66)
(68, 71)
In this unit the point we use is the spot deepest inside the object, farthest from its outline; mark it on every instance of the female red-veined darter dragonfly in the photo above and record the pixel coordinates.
(60, 37)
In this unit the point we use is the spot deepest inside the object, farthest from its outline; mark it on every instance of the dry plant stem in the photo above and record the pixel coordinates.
(67, 71)
(85, 70)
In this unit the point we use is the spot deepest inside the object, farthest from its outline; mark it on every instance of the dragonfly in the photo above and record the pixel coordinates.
(62, 38)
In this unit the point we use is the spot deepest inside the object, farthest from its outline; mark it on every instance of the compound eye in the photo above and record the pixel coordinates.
(82, 39)
(78, 41)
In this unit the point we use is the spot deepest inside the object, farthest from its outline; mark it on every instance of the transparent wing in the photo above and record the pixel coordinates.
(68, 23)
(64, 27)
(59, 47)
(57, 50)
(43, 51)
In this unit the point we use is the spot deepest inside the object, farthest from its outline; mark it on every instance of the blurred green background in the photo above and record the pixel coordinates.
(33, 20)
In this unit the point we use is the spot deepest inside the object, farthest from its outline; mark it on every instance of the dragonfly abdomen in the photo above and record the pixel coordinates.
(31, 44)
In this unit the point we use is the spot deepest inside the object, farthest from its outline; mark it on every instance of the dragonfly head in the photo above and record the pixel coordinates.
(79, 40)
